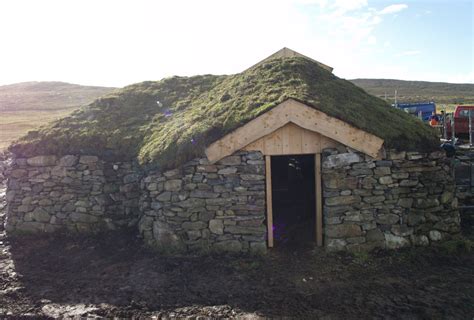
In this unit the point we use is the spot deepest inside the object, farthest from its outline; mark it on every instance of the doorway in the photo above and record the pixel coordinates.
(294, 199)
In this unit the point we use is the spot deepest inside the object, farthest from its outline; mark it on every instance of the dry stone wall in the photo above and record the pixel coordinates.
(80, 193)
(407, 199)
(203, 206)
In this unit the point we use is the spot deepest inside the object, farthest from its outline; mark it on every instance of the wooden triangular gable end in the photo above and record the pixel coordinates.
(294, 128)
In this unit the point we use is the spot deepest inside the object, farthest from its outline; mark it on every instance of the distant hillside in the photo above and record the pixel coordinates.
(440, 92)
(25, 106)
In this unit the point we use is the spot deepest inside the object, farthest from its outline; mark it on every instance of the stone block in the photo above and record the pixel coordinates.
(405, 202)
(252, 177)
(374, 199)
(196, 225)
(387, 218)
(395, 242)
(435, 235)
(18, 173)
(343, 231)
(341, 160)
(375, 235)
(228, 170)
(173, 185)
(230, 161)
(68, 161)
(88, 160)
(342, 200)
(216, 226)
(408, 183)
(42, 161)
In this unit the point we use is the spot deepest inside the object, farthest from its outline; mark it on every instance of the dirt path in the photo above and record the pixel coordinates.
(113, 275)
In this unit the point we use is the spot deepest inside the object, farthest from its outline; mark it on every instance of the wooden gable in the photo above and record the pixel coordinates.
(263, 132)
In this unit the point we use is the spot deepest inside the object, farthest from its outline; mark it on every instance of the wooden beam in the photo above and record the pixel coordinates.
(292, 111)
(268, 176)
(319, 199)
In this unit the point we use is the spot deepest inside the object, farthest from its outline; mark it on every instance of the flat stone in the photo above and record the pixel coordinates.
(41, 161)
(39, 214)
(68, 161)
(343, 231)
(45, 202)
(383, 163)
(196, 225)
(435, 235)
(395, 242)
(253, 177)
(386, 180)
(408, 183)
(164, 197)
(228, 170)
(405, 202)
(374, 199)
(400, 175)
(387, 218)
(216, 226)
(393, 155)
(342, 200)
(203, 194)
(172, 173)
(88, 159)
(375, 235)
(130, 178)
(230, 161)
(173, 185)
(192, 203)
(340, 160)
(18, 173)
(446, 197)
(206, 168)
(422, 240)
(425, 203)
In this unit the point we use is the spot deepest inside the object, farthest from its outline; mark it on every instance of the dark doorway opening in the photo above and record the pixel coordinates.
(294, 199)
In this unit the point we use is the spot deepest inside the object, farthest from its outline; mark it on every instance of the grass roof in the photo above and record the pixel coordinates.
(173, 120)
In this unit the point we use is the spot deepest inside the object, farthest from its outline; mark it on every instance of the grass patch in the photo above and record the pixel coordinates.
(168, 122)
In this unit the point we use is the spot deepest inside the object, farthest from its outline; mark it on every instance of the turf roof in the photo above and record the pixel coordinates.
(171, 121)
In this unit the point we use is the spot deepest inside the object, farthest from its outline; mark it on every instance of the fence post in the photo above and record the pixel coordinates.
(470, 127)
(453, 132)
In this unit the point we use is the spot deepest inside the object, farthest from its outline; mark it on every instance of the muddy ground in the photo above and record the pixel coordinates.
(114, 275)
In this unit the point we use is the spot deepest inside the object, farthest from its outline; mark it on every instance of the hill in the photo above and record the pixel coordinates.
(26, 106)
(411, 91)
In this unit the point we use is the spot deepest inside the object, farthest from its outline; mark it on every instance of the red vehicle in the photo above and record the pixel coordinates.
(461, 121)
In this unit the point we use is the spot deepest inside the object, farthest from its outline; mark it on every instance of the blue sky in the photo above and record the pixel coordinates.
(118, 42)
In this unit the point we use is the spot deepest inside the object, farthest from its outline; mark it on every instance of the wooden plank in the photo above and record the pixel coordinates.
(268, 176)
(301, 115)
(319, 199)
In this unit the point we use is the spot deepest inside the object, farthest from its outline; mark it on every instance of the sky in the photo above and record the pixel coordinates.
(120, 42)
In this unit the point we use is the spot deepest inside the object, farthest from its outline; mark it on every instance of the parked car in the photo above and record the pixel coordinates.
(461, 121)
(422, 110)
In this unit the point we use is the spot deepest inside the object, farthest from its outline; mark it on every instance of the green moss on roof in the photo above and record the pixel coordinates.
(171, 121)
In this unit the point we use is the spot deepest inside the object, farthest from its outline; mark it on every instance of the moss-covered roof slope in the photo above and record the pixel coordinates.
(173, 120)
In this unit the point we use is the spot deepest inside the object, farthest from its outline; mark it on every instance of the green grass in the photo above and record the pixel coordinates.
(193, 112)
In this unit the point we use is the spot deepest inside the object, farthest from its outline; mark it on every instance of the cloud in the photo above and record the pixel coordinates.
(394, 8)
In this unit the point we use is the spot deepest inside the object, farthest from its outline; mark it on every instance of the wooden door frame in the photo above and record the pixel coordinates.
(318, 198)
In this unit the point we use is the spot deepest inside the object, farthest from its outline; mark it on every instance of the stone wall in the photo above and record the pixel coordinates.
(80, 193)
(407, 199)
(201, 206)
